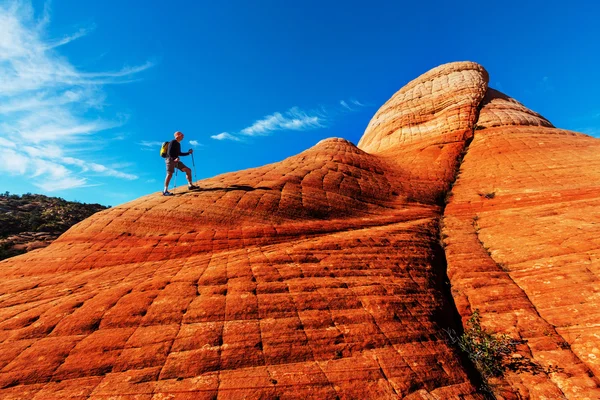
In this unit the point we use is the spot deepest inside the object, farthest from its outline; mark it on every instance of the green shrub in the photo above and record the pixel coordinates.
(487, 351)
(494, 354)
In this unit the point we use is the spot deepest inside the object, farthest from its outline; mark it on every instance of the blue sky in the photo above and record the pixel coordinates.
(89, 89)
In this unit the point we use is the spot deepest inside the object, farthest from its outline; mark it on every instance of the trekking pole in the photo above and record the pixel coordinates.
(194, 165)
(175, 183)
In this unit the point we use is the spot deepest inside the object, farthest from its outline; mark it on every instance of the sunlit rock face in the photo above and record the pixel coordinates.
(322, 276)
(423, 128)
(522, 233)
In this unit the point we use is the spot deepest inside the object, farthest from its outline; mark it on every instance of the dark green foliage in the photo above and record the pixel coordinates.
(487, 351)
(38, 213)
(494, 354)
(7, 251)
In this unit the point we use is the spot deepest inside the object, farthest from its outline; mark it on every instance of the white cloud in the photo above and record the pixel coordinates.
(294, 119)
(13, 162)
(195, 143)
(69, 38)
(98, 168)
(6, 143)
(62, 184)
(51, 169)
(150, 145)
(345, 105)
(45, 102)
(351, 105)
(225, 136)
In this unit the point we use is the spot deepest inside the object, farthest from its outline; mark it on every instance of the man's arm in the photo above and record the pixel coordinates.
(184, 154)
(174, 150)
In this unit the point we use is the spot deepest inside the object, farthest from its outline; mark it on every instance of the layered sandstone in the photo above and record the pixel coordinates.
(521, 233)
(321, 276)
(423, 128)
(310, 278)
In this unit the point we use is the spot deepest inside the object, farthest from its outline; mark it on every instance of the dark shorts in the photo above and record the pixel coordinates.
(171, 165)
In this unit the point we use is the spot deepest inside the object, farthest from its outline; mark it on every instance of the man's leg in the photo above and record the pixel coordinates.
(188, 174)
(170, 169)
(167, 180)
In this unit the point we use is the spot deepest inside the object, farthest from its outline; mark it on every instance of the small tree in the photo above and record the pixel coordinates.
(486, 350)
(492, 354)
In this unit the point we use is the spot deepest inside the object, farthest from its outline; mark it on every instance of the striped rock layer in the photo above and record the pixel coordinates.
(322, 276)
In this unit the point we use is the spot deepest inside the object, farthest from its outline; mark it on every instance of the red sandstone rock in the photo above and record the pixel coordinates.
(321, 276)
(522, 246)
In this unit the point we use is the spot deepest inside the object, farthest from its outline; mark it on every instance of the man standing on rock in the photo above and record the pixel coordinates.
(172, 161)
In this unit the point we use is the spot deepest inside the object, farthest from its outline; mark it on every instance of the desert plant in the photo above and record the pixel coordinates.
(488, 352)
(493, 354)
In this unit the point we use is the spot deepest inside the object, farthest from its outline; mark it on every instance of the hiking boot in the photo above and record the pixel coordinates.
(192, 187)
(167, 193)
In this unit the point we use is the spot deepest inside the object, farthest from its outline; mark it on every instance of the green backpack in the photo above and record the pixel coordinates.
(164, 150)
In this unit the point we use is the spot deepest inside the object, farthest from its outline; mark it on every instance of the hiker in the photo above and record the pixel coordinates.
(172, 161)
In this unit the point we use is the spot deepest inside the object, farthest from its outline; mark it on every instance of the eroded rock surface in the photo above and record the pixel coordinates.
(521, 233)
(321, 276)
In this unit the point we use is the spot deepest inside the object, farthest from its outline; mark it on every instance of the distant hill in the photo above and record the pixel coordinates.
(33, 221)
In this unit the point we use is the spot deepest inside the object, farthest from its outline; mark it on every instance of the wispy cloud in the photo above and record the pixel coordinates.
(345, 105)
(69, 38)
(46, 102)
(63, 184)
(150, 145)
(195, 143)
(147, 143)
(294, 119)
(351, 105)
(98, 168)
(226, 136)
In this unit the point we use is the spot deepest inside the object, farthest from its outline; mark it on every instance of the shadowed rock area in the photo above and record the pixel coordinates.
(321, 276)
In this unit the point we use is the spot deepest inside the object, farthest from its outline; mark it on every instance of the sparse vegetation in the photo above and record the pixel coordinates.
(35, 213)
(487, 351)
(494, 354)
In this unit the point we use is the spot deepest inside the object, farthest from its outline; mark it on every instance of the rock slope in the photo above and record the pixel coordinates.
(522, 231)
(322, 276)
